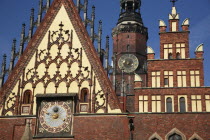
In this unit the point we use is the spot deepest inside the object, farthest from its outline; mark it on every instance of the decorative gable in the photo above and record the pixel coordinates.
(60, 59)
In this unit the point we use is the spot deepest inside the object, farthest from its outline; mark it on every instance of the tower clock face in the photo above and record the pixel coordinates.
(55, 116)
(128, 63)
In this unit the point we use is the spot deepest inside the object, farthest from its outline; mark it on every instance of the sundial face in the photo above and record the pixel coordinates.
(55, 116)
(128, 63)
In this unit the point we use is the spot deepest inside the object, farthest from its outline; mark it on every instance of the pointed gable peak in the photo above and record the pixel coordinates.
(60, 58)
(174, 14)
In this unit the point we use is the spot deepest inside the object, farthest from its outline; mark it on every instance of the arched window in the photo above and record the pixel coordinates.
(128, 48)
(169, 104)
(84, 95)
(182, 104)
(155, 136)
(195, 137)
(170, 56)
(175, 137)
(178, 55)
(27, 97)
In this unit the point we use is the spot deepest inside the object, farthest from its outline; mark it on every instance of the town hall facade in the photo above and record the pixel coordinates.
(61, 87)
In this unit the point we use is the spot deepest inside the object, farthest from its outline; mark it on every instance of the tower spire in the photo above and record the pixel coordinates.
(130, 11)
(130, 18)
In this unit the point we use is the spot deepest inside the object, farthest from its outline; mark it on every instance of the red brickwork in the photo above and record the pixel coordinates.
(110, 127)
(172, 91)
(162, 28)
(170, 24)
(185, 27)
(188, 124)
(114, 127)
(173, 38)
(199, 54)
(13, 128)
(137, 46)
(101, 128)
(151, 56)
(174, 65)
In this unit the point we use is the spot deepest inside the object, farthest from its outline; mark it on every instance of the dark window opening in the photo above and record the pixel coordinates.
(170, 56)
(131, 125)
(175, 137)
(182, 104)
(169, 104)
(84, 95)
(27, 97)
(128, 47)
(165, 81)
(178, 55)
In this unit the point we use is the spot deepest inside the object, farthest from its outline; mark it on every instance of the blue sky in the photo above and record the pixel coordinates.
(14, 13)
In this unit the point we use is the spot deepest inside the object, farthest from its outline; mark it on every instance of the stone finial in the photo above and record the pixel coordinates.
(174, 14)
(107, 55)
(162, 26)
(199, 51)
(40, 12)
(186, 24)
(92, 26)
(30, 33)
(13, 52)
(99, 37)
(150, 53)
(22, 40)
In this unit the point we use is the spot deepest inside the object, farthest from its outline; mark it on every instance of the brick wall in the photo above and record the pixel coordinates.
(173, 38)
(174, 65)
(13, 128)
(112, 127)
(172, 91)
(115, 127)
(101, 128)
(188, 124)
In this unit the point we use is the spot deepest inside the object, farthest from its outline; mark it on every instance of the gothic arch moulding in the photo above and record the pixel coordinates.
(195, 136)
(175, 131)
(155, 135)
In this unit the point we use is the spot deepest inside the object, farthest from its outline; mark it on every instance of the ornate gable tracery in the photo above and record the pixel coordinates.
(48, 62)
(35, 78)
(44, 59)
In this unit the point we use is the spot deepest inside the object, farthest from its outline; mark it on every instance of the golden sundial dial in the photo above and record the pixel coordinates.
(55, 116)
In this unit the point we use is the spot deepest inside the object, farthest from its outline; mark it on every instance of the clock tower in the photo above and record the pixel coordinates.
(129, 52)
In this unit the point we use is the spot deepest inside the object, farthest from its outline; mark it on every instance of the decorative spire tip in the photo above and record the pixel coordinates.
(173, 2)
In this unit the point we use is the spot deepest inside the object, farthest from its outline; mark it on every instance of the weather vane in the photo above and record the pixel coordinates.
(173, 1)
